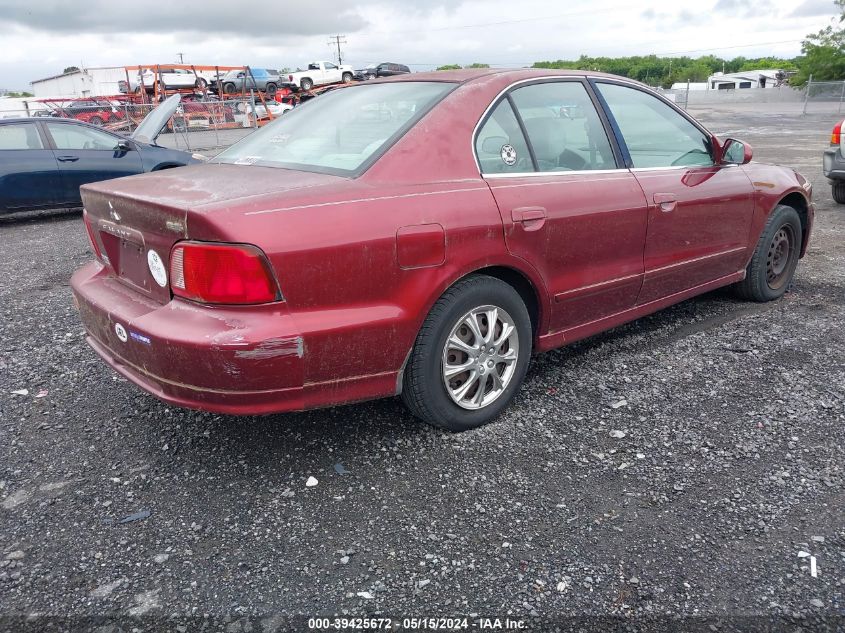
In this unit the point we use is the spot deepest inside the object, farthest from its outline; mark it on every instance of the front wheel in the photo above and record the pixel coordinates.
(470, 356)
(270, 89)
(201, 83)
(775, 257)
(347, 78)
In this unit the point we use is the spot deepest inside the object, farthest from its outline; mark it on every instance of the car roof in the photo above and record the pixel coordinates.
(55, 119)
(466, 75)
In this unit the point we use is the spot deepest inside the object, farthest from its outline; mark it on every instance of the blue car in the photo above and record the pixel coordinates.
(43, 161)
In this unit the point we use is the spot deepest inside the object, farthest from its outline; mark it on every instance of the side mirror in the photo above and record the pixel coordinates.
(124, 146)
(493, 144)
(736, 152)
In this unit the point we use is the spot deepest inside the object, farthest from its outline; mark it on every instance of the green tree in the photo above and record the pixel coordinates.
(477, 65)
(449, 67)
(823, 53)
(70, 69)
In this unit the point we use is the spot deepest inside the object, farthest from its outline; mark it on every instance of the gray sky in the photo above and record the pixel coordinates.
(41, 38)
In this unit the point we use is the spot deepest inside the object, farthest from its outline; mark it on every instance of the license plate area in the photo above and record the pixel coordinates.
(126, 252)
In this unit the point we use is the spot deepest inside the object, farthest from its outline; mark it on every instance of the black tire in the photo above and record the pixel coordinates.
(347, 78)
(424, 390)
(229, 88)
(270, 89)
(838, 191)
(96, 120)
(770, 271)
(201, 83)
(306, 84)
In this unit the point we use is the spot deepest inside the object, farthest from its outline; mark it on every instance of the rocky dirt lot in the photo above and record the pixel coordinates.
(689, 464)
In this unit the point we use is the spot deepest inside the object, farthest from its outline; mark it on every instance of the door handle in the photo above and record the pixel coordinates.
(667, 202)
(531, 218)
(67, 159)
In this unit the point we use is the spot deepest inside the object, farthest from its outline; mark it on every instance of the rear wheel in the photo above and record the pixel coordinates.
(229, 88)
(201, 83)
(470, 356)
(775, 258)
(838, 191)
(306, 84)
(96, 120)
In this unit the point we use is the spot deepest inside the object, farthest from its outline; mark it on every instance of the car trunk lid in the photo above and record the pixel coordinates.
(137, 220)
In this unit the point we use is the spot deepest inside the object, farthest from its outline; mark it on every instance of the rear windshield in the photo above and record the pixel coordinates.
(341, 132)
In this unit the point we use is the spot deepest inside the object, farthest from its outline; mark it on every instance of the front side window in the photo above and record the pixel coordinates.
(656, 135)
(20, 136)
(342, 131)
(76, 137)
(500, 144)
(563, 127)
(330, 66)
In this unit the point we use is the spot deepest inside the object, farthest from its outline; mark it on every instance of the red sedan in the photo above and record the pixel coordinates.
(424, 236)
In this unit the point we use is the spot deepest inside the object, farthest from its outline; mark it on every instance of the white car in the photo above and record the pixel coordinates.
(169, 78)
(320, 74)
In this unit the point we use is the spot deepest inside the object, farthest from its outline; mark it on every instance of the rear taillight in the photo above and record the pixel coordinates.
(836, 135)
(222, 273)
(91, 237)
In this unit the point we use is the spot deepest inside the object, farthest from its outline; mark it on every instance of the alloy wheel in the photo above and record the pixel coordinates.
(479, 357)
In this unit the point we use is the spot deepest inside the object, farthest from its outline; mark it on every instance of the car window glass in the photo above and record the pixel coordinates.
(563, 127)
(340, 131)
(330, 66)
(313, 66)
(656, 135)
(20, 136)
(500, 145)
(78, 137)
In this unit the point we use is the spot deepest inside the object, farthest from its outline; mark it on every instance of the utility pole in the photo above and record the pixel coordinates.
(337, 40)
(181, 60)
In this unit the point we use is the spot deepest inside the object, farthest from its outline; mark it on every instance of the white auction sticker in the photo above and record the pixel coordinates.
(157, 268)
(121, 332)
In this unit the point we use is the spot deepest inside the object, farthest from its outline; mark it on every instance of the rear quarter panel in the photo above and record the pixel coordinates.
(337, 262)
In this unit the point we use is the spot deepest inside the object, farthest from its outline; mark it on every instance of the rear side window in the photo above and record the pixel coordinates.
(20, 136)
(500, 144)
(656, 134)
(563, 127)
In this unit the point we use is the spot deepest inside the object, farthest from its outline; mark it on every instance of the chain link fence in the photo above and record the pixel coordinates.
(199, 124)
(824, 97)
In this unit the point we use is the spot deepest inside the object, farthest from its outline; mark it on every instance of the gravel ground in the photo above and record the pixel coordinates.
(686, 465)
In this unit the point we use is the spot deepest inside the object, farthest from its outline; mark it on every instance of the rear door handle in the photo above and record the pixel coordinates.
(667, 202)
(531, 218)
(67, 159)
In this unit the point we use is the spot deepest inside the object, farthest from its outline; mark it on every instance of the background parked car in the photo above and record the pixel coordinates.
(236, 81)
(385, 69)
(833, 164)
(319, 74)
(167, 78)
(44, 160)
(94, 111)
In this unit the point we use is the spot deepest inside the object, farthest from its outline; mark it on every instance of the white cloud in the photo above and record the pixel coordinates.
(47, 36)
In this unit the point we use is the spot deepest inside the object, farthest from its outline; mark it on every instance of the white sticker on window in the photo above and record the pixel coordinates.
(508, 155)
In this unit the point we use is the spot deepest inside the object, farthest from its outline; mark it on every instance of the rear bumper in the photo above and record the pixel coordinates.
(833, 164)
(246, 360)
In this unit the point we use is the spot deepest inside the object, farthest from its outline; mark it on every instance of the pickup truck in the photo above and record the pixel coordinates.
(319, 74)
